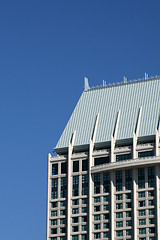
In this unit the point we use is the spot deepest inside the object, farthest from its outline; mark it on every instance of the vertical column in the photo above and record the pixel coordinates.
(90, 189)
(69, 192)
(134, 146)
(135, 203)
(112, 149)
(112, 176)
(48, 195)
(157, 203)
(157, 142)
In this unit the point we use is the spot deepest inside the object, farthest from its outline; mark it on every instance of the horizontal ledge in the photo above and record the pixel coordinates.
(126, 164)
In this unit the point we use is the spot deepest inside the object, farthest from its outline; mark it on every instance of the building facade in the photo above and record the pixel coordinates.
(104, 182)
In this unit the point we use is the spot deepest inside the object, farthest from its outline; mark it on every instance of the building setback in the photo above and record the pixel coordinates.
(104, 182)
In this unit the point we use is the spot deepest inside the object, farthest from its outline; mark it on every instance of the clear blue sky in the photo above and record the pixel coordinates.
(46, 49)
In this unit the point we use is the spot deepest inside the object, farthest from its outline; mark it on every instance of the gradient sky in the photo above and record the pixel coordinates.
(46, 49)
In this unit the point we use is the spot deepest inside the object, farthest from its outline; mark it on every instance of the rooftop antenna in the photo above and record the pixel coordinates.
(125, 79)
(104, 83)
(146, 76)
(86, 84)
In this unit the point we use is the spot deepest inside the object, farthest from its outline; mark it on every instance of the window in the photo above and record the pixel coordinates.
(96, 208)
(106, 225)
(97, 235)
(119, 233)
(128, 214)
(97, 199)
(84, 227)
(128, 179)
(97, 226)
(106, 182)
(75, 229)
(96, 183)
(84, 201)
(76, 166)
(84, 184)
(62, 221)
(141, 203)
(152, 230)
(150, 193)
(64, 168)
(151, 220)
(84, 219)
(142, 231)
(53, 213)
(128, 195)
(75, 210)
(105, 207)
(119, 224)
(119, 215)
(53, 238)
(101, 160)
(123, 157)
(55, 169)
(142, 212)
(54, 192)
(151, 177)
(84, 237)
(62, 212)
(75, 202)
(84, 209)
(75, 237)
(141, 194)
(141, 178)
(128, 232)
(106, 198)
(75, 185)
(145, 154)
(85, 165)
(54, 231)
(97, 217)
(63, 204)
(151, 203)
(128, 204)
(63, 187)
(142, 221)
(151, 212)
(62, 238)
(62, 230)
(53, 204)
(128, 223)
(119, 197)
(119, 181)
(106, 235)
(54, 222)
(75, 220)
(106, 216)
(119, 206)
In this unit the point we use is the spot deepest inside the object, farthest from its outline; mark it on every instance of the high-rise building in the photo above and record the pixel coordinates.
(105, 181)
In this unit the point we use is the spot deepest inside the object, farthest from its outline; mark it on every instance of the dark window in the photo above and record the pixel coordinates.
(63, 187)
(76, 166)
(62, 230)
(75, 229)
(106, 182)
(53, 204)
(141, 178)
(145, 154)
(54, 231)
(63, 168)
(96, 183)
(75, 185)
(84, 184)
(101, 160)
(55, 169)
(123, 157)
(128, 176)
(151, 177)
(75, 220)
(54, 188)
(85, 165)
(119, 181)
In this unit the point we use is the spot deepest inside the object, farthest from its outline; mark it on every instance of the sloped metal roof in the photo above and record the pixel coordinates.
(107, 101)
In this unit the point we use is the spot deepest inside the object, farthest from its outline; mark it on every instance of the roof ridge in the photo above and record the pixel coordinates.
(139, 80)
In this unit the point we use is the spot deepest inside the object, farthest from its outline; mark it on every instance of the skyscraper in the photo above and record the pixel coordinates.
(105, 181)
